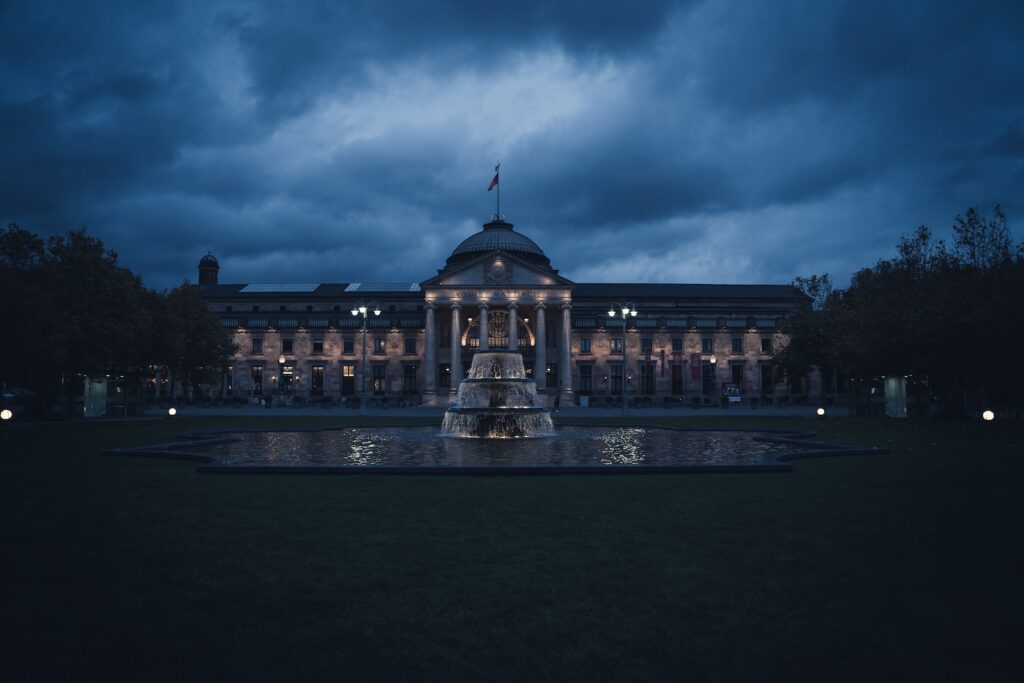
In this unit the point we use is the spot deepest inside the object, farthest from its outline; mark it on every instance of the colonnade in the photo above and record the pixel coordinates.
(540, 348)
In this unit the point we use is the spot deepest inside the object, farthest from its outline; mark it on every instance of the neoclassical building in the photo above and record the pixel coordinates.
(412, 342)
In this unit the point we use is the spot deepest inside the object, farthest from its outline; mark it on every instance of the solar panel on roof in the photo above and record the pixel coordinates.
(263, 288)
(383, 287)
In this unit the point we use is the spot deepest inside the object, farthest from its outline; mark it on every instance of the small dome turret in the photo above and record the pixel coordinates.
(208, 269)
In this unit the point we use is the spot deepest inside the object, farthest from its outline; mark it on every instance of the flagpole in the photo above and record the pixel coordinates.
(497, 173)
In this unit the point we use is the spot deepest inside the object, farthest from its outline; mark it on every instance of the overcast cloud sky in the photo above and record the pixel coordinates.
(646, 142)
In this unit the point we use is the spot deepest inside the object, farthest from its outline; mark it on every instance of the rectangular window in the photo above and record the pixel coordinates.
(309, 308)
(767, 380)
(706, 346)
(257, 345)
(615, 373)
(444, 375)
(348, 379)
(337, 308)
(737, 376)
(379, 379)
(410, 345)
(316, 380)
(677, 344)
(256, 309)
(318, 344)
(677, 378)
(584, 344)
(408, 379)
(647, 378)
(737, 345)
(646, 345)
(552, 376)
(228, 309)
(349, 345)
(616, 344)
(378, 345)
(708, 382)
(256, 376)
(282, 308)
(586, 378)
(286, 346)
(766, 345)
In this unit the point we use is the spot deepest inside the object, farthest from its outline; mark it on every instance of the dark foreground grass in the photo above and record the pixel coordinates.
(858, 568)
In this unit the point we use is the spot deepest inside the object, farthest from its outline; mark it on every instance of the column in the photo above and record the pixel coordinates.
(513, 327)
(565, 352)
(430, 353)
(481, 326)
(540, 360)
(456, 347)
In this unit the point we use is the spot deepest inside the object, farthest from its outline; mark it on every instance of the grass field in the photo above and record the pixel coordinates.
(878, 567)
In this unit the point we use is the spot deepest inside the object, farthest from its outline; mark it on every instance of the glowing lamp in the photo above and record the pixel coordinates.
(355, 311)
(362, 309)
(281, 359)
(172, 411)
(376, 311)
(820, 412)
(633, 312)
(988, 416)
(6, 414)
(611, 314)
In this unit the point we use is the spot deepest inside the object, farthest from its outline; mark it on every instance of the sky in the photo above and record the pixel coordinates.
(715, 142)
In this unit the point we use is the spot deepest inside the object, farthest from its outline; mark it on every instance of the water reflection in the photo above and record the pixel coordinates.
(424, 446)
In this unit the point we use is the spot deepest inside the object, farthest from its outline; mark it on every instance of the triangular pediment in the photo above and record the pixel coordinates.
(497, 269)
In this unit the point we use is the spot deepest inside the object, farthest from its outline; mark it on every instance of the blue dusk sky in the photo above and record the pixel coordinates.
(719, 142)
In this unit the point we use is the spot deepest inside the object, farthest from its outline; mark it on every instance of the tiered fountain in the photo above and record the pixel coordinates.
(497, 400)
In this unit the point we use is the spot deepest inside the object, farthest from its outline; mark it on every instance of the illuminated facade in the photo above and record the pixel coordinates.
(687, 344)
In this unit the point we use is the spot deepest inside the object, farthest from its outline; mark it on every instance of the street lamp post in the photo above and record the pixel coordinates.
(625, 310)
(363, 309)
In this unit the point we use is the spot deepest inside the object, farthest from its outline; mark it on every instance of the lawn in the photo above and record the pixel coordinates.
(905, 565)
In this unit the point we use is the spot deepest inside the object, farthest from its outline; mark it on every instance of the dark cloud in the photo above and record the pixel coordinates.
(655, 141)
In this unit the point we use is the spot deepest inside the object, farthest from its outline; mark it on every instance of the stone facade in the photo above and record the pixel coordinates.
(303, 340)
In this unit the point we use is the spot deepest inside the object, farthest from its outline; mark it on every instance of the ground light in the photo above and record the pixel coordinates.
(172, 411)
(988, 416)
(6, 414)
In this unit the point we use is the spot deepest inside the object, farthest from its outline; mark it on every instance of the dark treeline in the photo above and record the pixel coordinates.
(69, 310)
(950, 315)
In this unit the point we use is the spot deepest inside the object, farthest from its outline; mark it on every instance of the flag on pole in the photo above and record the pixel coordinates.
(495, 181)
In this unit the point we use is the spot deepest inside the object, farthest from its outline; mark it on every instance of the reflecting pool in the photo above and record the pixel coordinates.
(425, 446)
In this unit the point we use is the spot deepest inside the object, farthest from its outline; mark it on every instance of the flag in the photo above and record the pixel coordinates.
(495, 181)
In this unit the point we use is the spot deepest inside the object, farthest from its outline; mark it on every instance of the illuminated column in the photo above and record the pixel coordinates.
(482, 327)
(513, 327)
(430, 353)
(564, 353)
(540, 360)
(456, 347)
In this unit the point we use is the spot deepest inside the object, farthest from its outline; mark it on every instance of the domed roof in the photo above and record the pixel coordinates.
(208, 260)
(498, 235)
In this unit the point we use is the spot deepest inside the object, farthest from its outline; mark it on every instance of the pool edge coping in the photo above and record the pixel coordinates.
(207, 463)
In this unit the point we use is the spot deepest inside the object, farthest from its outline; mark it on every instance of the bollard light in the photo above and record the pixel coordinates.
(172, 411)
(6, 414)
(988, 416)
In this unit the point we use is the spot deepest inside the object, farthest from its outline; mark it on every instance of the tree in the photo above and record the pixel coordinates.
(195, 345)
